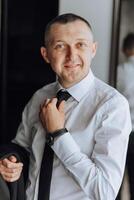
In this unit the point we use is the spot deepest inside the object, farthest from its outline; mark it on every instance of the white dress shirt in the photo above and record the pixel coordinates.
(90, 158)
(125, 83)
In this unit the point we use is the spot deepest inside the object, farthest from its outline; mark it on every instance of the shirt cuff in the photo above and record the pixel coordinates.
(65, 147)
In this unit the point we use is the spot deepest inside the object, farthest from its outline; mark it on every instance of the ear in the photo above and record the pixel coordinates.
(43, 51)
(94, 49)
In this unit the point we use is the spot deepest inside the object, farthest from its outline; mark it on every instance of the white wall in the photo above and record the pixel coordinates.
(99, 14)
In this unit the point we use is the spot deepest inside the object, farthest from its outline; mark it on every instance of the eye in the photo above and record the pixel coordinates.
(82, 45)
(59, 46)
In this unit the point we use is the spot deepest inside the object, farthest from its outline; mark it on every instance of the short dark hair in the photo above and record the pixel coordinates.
(128, 42)
(63, 19)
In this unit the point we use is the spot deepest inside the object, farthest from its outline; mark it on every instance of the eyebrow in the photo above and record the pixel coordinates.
(79, 39)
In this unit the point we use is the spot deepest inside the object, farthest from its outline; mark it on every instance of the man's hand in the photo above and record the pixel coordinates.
(52, 118)
(10, 169)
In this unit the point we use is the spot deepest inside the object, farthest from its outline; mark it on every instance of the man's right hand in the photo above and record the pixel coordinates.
(52, 118)
(10, 169)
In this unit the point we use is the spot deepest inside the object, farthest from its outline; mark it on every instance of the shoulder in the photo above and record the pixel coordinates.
(107, 93)
(39, 97)
(45, 91)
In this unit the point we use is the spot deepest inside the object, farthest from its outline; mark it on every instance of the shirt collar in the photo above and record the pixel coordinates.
(80, 89)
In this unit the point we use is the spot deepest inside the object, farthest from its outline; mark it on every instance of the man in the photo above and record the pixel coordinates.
(89, 155)
(125, 84)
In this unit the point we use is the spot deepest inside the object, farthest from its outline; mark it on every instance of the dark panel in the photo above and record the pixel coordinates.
(24, 70)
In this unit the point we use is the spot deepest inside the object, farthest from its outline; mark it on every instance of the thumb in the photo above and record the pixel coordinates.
(61, 106)
(13, 159)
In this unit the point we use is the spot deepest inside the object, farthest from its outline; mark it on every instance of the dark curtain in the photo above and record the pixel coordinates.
(22, 70)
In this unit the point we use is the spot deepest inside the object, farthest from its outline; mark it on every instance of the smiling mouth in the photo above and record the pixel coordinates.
(72, 65)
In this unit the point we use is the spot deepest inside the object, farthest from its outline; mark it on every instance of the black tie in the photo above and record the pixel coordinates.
(62, 95)
(47, 160)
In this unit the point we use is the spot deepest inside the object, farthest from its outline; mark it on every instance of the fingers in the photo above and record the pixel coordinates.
(11, 175)
(51, 103)
(7, 163)
(10, 170)
(48, 103)
(45, 103)
(54, 101)
(52, 118)
(13, 159)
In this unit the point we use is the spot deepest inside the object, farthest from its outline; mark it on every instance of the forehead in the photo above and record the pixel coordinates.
(77, 29)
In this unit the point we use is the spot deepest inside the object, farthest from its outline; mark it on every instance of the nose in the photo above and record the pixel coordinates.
(71, 54)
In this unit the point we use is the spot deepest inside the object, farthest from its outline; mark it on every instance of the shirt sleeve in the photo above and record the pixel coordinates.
(100, 175)
(26, 130)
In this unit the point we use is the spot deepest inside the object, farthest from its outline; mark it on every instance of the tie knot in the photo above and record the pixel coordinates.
(62, 95)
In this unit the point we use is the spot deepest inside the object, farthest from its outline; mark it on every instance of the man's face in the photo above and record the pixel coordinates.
(69, 51)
